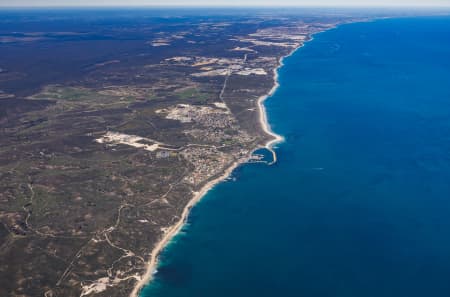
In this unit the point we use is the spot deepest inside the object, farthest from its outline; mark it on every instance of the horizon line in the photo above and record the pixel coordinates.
(228, 6)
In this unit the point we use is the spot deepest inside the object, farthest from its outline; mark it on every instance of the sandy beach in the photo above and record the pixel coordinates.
(262, 109)
(173, 230)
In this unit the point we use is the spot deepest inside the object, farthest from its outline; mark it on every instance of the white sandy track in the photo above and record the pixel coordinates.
(173, 230)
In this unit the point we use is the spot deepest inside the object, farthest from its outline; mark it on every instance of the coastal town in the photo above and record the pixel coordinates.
(100, 168)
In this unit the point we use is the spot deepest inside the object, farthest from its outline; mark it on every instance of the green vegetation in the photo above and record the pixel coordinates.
(70, 94)
(89, 96)
(193, 94)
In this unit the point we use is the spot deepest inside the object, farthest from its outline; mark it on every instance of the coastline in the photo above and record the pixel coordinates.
(276, 138)
(173, 230)
(263, 118)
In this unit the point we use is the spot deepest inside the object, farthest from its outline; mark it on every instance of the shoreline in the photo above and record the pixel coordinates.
(276, 138)
(173, 230)
(263, 119)
(269, 144)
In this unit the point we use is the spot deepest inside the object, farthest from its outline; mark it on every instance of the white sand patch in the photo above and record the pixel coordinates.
(114, 138)
(228, 61)
(217, 72)
(256, 71)
(205, 61)
(280, 33)
(4, 95)
(270, 43)
(298, 37)
(235, 67)
(186, 113)
(103, 283)
(242, 49)
(157, 44)
(220, 105)
(98, 286)
(179, 59)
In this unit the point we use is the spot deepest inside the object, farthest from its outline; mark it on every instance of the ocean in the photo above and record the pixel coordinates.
(358, 204)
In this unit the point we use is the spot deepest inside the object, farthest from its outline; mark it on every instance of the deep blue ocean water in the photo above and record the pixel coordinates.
(359, 203)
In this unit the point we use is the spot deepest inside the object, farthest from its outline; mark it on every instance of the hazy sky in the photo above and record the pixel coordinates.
(226, 2)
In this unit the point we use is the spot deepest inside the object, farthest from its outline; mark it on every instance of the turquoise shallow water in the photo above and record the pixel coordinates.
(359, 202)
